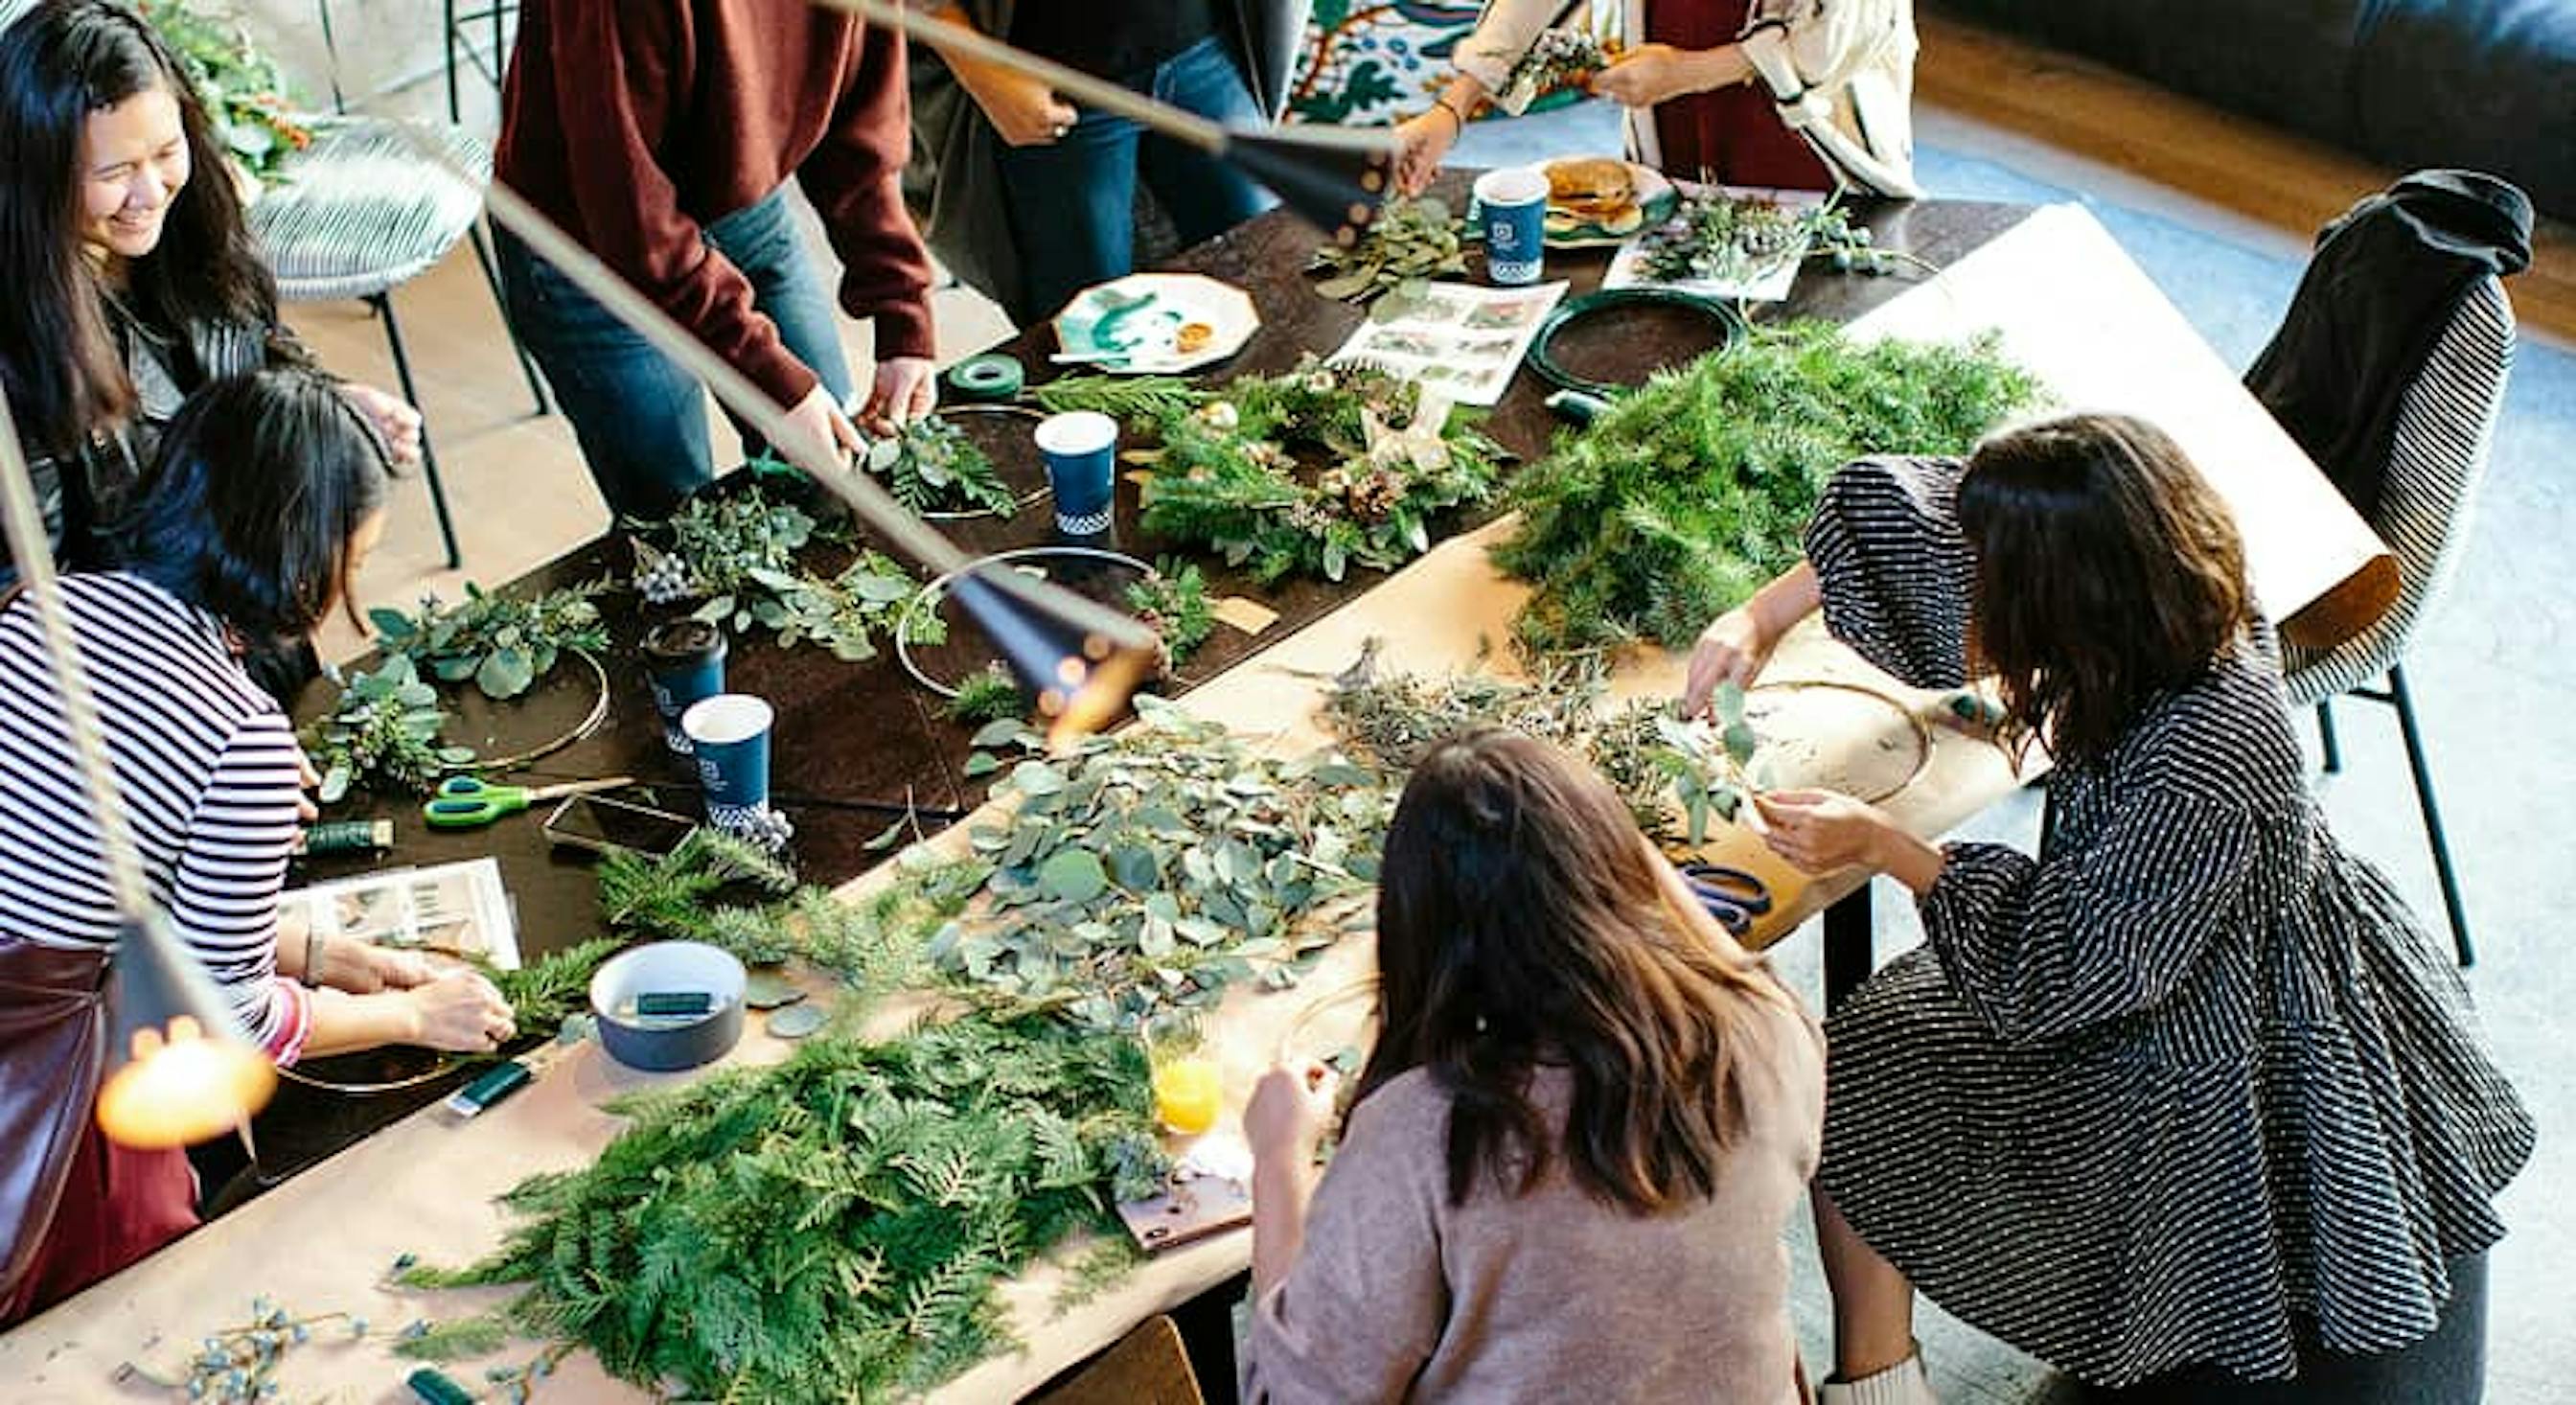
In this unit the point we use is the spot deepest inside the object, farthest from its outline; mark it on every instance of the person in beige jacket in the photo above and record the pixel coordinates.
(1794, 94)
(1586, 1120)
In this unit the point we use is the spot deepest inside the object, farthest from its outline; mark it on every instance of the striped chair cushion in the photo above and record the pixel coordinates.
(363, 211)
(2436, 456)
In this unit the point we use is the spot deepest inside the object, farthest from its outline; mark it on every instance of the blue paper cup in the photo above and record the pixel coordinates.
(1513, 202)
(684, 662)
(730, 735)
(1081, 450)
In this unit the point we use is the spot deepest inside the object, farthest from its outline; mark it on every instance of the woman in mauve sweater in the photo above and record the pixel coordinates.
(1586, 1120)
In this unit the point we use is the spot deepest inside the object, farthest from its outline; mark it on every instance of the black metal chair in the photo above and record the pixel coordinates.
(490, 59)
(2436, 459)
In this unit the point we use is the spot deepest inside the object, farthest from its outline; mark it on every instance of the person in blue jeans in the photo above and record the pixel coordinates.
(662, 135)
(1032, 199)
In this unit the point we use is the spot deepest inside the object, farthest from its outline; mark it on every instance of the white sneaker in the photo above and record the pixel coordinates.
(1901, 1384)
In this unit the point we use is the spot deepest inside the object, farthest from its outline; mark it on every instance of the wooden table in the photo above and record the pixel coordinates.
(2062, 295)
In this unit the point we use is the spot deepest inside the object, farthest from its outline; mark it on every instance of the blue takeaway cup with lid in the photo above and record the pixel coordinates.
(1512, 210)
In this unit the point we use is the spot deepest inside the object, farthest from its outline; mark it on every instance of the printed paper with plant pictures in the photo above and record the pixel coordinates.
(1458, 340)
(459, 910)
(1764, 280)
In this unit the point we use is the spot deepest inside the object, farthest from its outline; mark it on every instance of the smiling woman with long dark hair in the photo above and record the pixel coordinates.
(132, 278)
(2188, 1098)
(1585, 1120)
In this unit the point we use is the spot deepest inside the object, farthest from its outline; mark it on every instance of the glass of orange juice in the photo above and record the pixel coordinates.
(1189, 1089)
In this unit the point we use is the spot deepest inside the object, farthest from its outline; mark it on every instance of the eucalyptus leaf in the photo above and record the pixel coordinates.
(1074, 876)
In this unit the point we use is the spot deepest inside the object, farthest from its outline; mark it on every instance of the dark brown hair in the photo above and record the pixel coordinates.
(1521, 921)
(2108, 572)
(250, 510)
(60, 62)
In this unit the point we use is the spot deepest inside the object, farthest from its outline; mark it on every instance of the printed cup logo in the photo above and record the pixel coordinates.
(707, 772)
(1507, 239)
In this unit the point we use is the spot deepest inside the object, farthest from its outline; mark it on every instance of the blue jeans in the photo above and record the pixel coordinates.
(640, 418)
(1073, 202)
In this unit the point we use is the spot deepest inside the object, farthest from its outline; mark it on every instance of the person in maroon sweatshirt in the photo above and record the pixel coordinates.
(662, 133)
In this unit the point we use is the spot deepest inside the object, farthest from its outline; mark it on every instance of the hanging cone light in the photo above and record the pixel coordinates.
(1335, 177)
(180, 1068)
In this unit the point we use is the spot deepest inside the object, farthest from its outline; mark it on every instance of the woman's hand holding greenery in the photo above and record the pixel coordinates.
(1652, 73)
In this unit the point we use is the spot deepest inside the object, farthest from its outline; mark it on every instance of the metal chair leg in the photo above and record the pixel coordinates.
(492, 280)
(2406, 727)
(2326, 734)
(384, 306)
(447, 29)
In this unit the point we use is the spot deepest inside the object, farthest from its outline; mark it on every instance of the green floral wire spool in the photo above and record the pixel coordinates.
(1549, 355)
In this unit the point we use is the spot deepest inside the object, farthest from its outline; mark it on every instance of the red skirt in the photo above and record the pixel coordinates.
(1733, 136)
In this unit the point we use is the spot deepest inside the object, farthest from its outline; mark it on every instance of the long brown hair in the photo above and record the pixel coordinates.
(1521, 921)
(2108, 572)
(60, 62)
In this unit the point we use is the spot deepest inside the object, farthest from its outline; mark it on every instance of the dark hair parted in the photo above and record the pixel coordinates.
(65, 377)
(1522, 921)
(249, 511)
(2108, 571)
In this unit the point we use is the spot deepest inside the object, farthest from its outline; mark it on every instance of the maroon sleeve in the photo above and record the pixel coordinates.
(855, 179)
(619, 71)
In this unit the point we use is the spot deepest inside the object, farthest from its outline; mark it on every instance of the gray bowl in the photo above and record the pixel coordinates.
(667, 1045)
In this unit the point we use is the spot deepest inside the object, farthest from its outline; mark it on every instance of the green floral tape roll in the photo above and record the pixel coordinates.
(991, 376)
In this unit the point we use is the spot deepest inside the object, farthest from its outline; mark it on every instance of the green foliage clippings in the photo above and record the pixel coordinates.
(1683, 498)
(1129, 399)
(505, 643)
(987, 696)
(1173, 602)
(1410, 242)
(543, 992)
(933, 467)
(1229, 476)
(383, 734)
(1155, 869)
(832, 1228)
(739, 554)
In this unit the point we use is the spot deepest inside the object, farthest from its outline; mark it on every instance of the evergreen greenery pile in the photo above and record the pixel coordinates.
(382, 733)
(832, 1228)
(1172, 602)
(1683, 498)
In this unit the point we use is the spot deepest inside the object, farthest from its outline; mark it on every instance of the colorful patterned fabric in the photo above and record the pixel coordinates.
(1368, 64)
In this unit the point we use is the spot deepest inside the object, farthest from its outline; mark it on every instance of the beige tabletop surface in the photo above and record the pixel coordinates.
(2067, 302)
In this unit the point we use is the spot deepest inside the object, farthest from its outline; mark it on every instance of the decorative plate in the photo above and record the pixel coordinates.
(1156, 323)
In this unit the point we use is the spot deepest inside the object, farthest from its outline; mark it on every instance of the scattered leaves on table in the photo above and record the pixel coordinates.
(504, 642)
(832, 1228)
(1155, 869)
(743, 558)
(1411, 242)
(931, 466)
(383, 734)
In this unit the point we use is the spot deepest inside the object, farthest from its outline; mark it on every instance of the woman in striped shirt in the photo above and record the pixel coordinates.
(2189, 1098)
(267, 496)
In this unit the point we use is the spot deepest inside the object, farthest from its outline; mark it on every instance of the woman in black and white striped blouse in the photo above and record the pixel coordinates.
(267, 495)
(2189, 1091)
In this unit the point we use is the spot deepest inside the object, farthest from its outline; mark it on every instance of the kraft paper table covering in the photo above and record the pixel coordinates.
(2067, 301)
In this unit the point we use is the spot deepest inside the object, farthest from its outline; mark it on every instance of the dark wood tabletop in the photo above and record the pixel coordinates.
(865, 733)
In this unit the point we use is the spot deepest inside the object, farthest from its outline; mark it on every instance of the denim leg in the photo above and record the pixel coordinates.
(787, 284)
(1073, 211)
(1204, 196)
(640, 419)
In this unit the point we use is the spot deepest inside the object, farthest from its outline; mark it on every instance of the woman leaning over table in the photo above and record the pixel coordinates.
(268, 494)
(132, 277)
(1788, 94)
(1573, 1149)
(2189, 1092)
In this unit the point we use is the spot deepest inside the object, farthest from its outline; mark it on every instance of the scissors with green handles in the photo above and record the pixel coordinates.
(467, 802)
